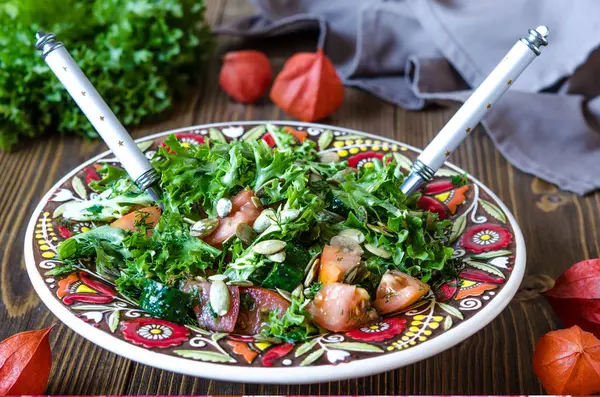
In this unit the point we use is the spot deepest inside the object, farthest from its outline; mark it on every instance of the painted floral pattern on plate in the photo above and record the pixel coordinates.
(481, 237)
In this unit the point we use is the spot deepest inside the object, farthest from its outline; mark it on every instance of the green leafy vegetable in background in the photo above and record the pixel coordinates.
(140, 55)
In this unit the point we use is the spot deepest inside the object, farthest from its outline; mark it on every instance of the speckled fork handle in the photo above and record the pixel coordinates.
(474, 109)
(98, 113)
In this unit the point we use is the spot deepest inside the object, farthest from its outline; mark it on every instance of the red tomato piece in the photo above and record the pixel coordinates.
(342, 307)
(241, 199)
(335, 261)
(226, 228)
(398, 291)
(243, 210)
(150, 215)
(204, 314)
(256, 304)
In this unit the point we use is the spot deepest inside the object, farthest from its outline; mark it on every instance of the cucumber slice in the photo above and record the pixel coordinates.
(165, 302)
(297, 256)
(337, 205)
(283, 276)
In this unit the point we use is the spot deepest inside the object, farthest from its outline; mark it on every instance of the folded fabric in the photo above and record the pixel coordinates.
(411, 52)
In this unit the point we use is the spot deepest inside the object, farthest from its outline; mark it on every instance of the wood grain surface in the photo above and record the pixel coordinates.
(559, 228)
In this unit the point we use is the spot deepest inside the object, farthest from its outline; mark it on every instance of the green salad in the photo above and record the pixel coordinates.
(259, 240)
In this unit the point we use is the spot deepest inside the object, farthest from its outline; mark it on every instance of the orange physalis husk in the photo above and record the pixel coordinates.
(575, 297)
(245, 75)
(567, 361)
(25, 362)
(308, 87)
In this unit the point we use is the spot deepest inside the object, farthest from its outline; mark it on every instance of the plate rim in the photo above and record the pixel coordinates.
(278, 375)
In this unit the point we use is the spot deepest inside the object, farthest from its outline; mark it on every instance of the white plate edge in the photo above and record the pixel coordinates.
(278, 375)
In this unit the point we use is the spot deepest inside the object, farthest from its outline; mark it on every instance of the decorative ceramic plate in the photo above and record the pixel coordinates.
(485, 236)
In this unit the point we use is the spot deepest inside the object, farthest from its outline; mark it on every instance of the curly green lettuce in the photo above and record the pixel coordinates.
(140, 55)
(310, 202)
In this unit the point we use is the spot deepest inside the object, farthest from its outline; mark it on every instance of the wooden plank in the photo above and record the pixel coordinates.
(559, 228)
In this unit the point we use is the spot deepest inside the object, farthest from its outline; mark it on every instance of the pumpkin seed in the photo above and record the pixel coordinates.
(240, 283)
(347, 243)
(224, 207)
(354, 234)
(325, 139)
(200, 278)
(245, 233)
(361, 214)
(340, 176)
(270, 229)
(350, 274)
(330, 217)
(297, 292)
(378, 229)
(430, 220)
(264, 220)
(204, 227)
(269, 247)
(329, 157)
(311, 261)
(218, 277)
(378, 251)
(289, 215)
(384, 228)
(256, 201)
(314, 177)
(311, 273)
(277, 257)
(286, 295)
(219, 298)
(188, 220)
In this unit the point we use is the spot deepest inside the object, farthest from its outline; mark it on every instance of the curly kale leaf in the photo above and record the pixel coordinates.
(140, 56)
(295, 325)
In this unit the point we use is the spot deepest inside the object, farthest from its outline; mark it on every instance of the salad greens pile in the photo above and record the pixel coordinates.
(309, 201)
(140, 55)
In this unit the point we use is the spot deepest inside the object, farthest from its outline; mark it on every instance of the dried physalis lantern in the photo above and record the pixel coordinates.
(245, 75)
(308, 87)
(567, 361)
(25, 361)
(575, 297)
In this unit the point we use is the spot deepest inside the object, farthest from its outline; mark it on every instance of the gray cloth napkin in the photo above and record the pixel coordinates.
(409, 52)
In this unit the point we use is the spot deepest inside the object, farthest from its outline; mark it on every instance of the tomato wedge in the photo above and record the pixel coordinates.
(397, 291)
(342, 307)
(255, 305)
(204, 314)
(335, 261)
(149, 216)
(241, 199)
(243, 210)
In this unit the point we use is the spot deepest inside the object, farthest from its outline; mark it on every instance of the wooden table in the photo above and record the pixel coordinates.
(559, 228)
